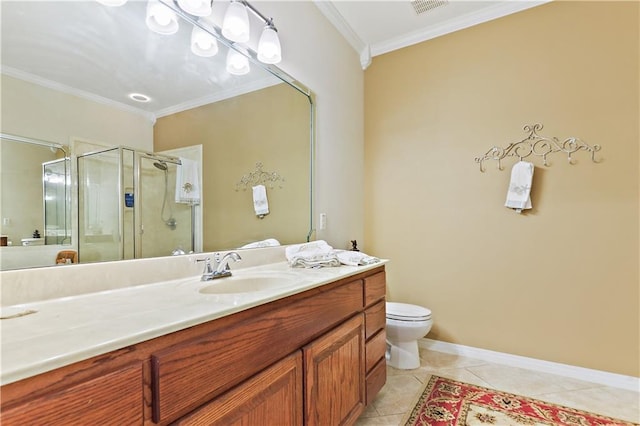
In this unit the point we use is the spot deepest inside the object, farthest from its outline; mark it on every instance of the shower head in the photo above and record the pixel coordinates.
(161, 165)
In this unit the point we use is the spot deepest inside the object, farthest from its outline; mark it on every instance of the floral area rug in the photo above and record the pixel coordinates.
(446, 402)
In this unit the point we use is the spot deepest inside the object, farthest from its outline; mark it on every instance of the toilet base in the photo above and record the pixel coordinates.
(403, 355)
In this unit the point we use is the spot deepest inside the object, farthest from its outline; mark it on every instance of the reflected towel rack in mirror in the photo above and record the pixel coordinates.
(260, 177)
(538, 145)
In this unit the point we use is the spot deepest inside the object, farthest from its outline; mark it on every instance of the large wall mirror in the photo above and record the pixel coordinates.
(121, 118)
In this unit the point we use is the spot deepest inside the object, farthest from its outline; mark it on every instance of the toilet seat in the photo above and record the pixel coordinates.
(407, 312)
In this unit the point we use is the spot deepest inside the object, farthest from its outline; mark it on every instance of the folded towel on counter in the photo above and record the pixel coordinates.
(518, 196)
(355, 258)
(188, 182)
(269, 242)
(260, 203)
(315, 254)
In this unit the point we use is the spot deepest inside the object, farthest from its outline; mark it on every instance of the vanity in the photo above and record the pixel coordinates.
(310, 351)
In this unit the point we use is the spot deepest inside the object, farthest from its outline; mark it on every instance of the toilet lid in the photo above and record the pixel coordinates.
(407, 312)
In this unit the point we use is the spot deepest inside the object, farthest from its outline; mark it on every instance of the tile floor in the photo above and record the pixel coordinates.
(403, 386)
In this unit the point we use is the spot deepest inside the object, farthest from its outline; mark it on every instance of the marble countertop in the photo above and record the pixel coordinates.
(70, 329)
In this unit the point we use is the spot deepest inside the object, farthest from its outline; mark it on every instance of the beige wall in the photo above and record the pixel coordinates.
(270, 126)
(21, 202)
(559, 283)
(317, 55)
(38, 112)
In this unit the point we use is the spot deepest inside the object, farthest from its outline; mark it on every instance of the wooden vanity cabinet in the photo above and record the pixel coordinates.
(314, 358)
(334, 373)
(271, 397)
(376, 342)
(114, 397)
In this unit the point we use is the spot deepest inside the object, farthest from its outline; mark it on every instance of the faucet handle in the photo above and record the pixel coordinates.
(208, 269)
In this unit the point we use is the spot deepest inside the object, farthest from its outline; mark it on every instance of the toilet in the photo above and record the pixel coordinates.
(405, 325)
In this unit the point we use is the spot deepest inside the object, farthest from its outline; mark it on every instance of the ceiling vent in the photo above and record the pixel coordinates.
(423, 6)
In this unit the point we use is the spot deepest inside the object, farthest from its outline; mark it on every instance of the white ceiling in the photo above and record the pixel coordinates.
(105, 53)
(85, 48)
(376, 27)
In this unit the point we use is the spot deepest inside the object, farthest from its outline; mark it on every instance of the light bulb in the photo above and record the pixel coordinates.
(235, 25)
(160, 18)
(203, 43)
(237, 63)
(269, 51)
(196, 7)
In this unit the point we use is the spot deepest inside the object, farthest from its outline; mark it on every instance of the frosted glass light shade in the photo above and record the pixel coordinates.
(235, 26)
(112, 3)
(160, 18)
(237, 63)
(196, 7)
(203, 43)
(269, 51)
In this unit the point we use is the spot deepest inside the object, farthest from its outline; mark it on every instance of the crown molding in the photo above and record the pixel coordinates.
(465, 21)
(367, 51)
(220, 96)
(31, 78)
(337, 20)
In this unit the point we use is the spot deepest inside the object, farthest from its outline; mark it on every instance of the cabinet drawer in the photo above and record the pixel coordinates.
(374, 288)
(272, 397)
(374, 319)
(114, 398)
(188, 375)
(375, 380)
(375, 349)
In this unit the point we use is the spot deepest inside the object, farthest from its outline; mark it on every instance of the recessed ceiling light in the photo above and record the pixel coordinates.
(139, 97)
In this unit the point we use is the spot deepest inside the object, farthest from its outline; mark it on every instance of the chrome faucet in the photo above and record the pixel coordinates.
(221, 266)
(222, 269)
(207, 273)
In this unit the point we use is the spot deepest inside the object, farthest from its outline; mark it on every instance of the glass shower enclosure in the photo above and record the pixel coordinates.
(56, 184)
(127, 207)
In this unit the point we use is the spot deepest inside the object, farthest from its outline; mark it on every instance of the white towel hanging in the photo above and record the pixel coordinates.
(518, 195)
(188, 182)
(260, 203)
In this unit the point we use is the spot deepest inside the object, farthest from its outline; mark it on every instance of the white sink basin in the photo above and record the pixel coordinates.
(248, 283)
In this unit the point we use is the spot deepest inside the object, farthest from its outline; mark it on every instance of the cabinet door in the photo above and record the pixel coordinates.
(112, 399)
(335, 375)
(272, 397)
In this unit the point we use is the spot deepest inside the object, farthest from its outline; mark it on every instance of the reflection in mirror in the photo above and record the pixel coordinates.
(36, 201)
(68, 69)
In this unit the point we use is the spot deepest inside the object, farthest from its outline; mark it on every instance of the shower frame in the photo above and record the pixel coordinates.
(138, 156)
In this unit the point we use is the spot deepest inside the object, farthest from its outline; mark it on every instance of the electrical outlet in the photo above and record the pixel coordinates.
(323, 221)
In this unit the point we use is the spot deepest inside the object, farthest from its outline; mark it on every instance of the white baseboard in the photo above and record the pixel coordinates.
(580, 373)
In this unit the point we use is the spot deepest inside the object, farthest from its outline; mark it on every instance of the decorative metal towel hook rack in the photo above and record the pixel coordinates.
(537, 145)
(260, 177)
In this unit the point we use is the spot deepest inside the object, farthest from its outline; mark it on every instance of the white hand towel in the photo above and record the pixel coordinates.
(315, 254)
(260, 203)
(518, 195)
(355, 258)
(188, 182)
(269, 242)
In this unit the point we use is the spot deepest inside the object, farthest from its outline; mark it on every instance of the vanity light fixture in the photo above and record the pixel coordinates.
(160, 18)
(203, 43)
(269, 51)
(237, 61)
(235, 26)
(196, 7)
